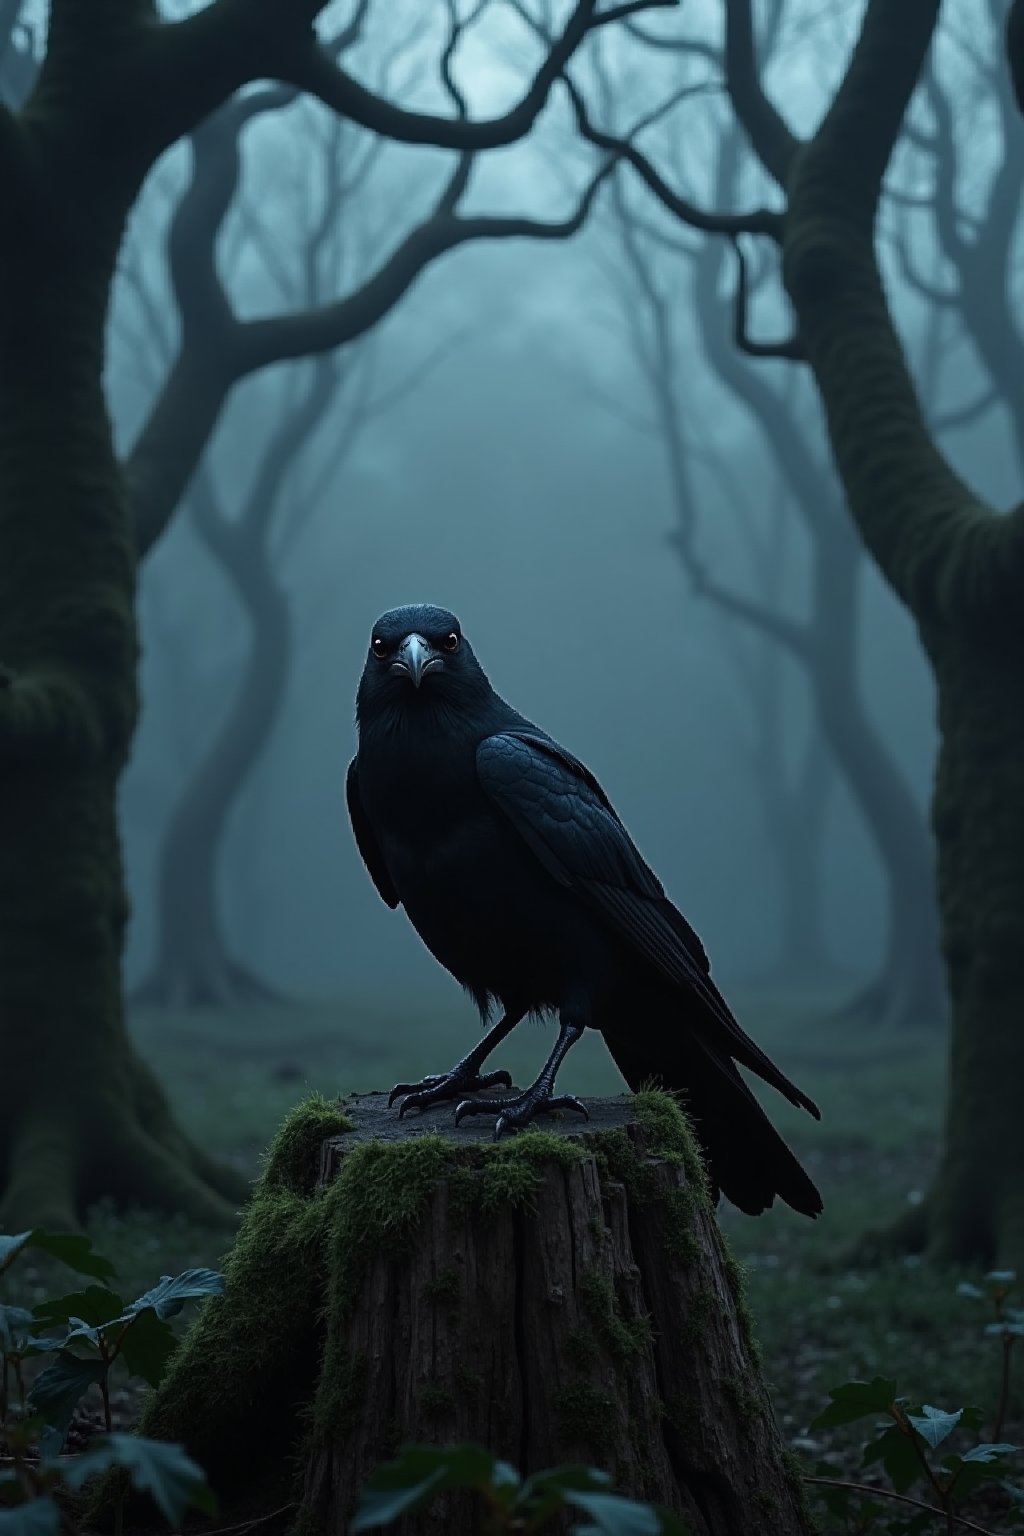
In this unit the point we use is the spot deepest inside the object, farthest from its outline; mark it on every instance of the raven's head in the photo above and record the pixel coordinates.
(418, 655)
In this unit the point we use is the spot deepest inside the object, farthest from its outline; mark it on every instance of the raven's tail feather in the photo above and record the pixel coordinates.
(747, 1159)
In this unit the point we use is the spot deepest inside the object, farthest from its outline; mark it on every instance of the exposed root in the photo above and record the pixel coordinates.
(206, 982)
(896, 1000)
(67, 1152)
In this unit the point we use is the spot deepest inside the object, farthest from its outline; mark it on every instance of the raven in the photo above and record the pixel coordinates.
(521, 880)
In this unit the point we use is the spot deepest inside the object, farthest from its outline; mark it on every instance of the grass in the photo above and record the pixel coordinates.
(232, 1078)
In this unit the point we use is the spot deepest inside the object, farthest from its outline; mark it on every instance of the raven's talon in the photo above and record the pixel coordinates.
(400, 1088)
(565, 1101)
(445, 1085)
(516, 1113)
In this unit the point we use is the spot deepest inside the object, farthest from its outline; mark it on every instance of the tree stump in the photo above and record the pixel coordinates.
(563, 1295)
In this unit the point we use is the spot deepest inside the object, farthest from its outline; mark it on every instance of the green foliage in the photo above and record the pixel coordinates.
(95, 1328)
(907, 1437)
(71, 1248)
(420, 1473)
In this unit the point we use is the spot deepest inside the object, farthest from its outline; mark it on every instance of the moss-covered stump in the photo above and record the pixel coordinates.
(564, 1295)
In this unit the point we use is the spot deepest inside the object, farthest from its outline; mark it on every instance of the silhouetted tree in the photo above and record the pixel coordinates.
(908, 988)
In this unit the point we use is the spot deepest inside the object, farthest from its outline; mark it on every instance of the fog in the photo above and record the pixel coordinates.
(516, 476)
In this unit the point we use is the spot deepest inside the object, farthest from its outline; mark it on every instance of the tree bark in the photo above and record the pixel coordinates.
(907, 988)
(80, 1115)
(564, 1296)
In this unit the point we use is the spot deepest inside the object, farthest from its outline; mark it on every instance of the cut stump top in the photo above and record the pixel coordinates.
(374, 1121)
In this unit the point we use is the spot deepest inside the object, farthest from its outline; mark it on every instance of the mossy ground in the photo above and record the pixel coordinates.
(233, 1077)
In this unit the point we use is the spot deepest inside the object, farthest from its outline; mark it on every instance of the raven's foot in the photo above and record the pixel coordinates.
(463, 1078)
(515, 1113)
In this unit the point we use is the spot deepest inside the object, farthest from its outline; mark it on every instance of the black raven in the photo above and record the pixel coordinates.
(522, 881)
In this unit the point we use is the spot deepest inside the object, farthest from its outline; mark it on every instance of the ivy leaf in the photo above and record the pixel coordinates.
(13, 1323)
(145, 1343)
(981, 1464)
(894, 1448)
(989, 1452)
(170, 1295)
(418, 1473)
(933, 1424)
(1001, 1279)
(71, 1248)
(975, 1292)
(612, 1515)
(544, 1492)
(857, 1400)
(1014, 1327)
(95, 1307)
(164, 1471)
(58, 1388)
(39, 1517)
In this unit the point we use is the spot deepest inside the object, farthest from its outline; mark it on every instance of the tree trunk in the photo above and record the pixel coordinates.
(80, 1116)
(194, 967)
(958, 567)
(908, 989)
(562, 1296)
(974, 1211)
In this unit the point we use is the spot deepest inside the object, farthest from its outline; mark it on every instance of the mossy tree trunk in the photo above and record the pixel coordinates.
(907, 987)
(561, 1297)
(955, 563)
(80, 1116)
(958, 566)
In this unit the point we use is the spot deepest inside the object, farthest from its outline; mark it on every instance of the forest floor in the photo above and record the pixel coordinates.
(820, 1319)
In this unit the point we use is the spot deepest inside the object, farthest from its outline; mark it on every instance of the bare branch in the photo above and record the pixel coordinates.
(691, 47)
(772, 140)
(791, 350)
(759, 221)
(307, 334)
(310, 69)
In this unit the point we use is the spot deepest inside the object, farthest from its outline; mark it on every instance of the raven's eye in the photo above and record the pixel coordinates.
(379, 647)
(450, 643)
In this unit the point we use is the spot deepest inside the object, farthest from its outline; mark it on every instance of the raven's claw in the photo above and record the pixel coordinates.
(517, 1112)
(445, 1085)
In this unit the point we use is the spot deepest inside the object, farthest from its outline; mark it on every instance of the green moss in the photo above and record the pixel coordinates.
(445, 1287)
(623, 1340)
(279, 1334)
(437, 1403)
(512, 1169)
(293, 1161)
(746, 1404)
(702, 1308)
(671, 1137)
(620, 1160)
(737, 1280)
(795, 1477)
(584, 1413)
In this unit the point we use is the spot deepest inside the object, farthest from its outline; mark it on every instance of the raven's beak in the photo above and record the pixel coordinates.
(415, 658)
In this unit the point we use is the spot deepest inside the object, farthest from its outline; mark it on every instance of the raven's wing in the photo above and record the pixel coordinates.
(365, 840)
(567, 820)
